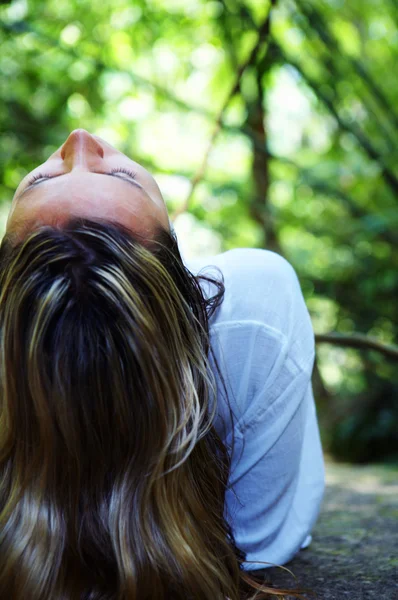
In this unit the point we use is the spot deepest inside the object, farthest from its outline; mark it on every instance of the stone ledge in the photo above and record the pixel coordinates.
(354, 551)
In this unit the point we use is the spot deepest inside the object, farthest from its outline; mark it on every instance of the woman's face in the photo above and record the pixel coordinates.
(88, 177)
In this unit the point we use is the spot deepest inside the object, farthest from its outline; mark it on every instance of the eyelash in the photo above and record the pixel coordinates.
(122, 170)
(38, 176)
(116, 170)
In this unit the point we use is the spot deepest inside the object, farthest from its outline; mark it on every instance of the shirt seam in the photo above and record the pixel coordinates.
(283, 336)
(238, 322)
(245, 426)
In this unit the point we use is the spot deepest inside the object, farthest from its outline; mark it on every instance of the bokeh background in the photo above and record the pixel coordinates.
(266, 124)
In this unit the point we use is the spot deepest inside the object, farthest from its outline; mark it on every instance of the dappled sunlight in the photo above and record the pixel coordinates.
(281, 135)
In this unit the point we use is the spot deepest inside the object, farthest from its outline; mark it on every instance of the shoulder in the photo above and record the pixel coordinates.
(254, 259)
(255, 269)
(263, 298)
(260, 285)
(245, 262)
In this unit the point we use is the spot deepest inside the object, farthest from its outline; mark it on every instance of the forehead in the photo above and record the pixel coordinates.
(88, 195)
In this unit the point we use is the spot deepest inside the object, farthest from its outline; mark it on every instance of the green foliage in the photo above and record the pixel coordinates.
(151, 78)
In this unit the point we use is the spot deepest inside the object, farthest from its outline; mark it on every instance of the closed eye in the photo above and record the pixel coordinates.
(38, 176)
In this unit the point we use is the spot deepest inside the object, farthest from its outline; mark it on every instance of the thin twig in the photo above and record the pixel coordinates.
(263, 33)
(318, 24)
(388, 175)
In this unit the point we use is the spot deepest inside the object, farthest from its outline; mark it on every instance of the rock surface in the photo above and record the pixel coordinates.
(354, 551)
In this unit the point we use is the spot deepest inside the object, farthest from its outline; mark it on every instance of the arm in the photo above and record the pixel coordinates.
(277, 472)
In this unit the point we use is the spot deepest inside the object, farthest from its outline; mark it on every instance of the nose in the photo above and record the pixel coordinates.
(81, 149)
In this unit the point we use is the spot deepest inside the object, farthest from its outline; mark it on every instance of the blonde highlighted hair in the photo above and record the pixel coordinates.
(112, 475)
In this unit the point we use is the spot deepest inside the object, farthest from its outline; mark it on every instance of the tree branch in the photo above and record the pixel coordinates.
(357, 340)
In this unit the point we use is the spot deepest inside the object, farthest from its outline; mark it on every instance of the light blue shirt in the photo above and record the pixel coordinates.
(264, 343)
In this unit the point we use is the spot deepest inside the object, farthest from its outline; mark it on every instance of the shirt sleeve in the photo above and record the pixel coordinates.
(268, 473)
(277, 476)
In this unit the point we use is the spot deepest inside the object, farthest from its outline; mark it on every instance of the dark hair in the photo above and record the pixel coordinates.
(113, 476)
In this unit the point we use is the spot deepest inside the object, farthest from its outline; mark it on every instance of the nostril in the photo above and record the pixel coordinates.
(81, 138)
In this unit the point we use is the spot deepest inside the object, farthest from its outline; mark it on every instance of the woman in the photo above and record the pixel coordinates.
(128, 470)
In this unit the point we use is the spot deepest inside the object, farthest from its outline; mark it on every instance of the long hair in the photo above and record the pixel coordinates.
(112, 475)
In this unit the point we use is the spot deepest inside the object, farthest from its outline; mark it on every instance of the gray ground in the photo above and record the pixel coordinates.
(354, 552)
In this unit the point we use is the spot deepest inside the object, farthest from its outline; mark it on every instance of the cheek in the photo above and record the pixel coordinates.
(15, 220)
(22, 184)
(43, 168)
(153, 190)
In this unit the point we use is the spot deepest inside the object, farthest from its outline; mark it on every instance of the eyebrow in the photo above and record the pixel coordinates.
(130, 181)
